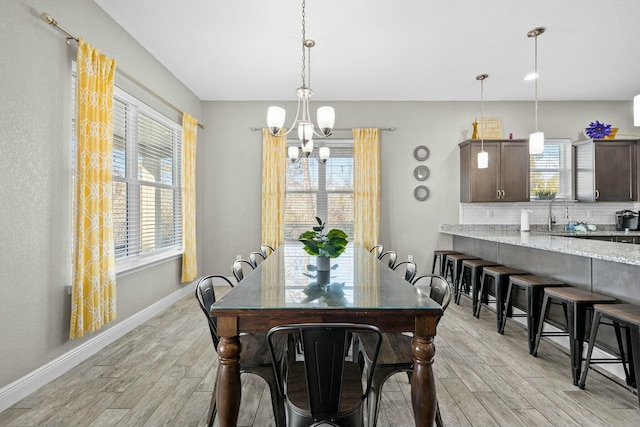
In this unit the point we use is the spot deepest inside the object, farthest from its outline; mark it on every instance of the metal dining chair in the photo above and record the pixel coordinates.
(377, 250)
(410, 269)
(395, 353)
(324, 389)
(266, 250)
(256, 356)
(390, 257)
(256, 258)
(240, 267)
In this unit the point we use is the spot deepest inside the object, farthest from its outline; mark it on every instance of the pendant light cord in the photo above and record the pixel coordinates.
(535, 64)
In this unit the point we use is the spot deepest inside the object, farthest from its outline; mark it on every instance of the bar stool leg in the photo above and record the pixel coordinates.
(507, 305)
(632, 362)
(543, 315)
(616, 328)
(433, 267)
(634, 331)
(576, 319)
(592, 339)
(481, 294)
(500, 311)
(534, 307)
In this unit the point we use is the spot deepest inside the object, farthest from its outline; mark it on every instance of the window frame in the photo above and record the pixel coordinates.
(135, 108)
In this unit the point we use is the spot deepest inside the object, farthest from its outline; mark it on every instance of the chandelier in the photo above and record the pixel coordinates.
(302, 122)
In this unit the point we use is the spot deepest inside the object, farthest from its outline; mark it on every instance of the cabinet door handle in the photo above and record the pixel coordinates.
(597, 194)
(498, 195)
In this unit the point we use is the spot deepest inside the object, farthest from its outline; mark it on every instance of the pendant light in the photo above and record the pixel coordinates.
(636, 110)
(536, 139)
(306, 129)
(483, 156)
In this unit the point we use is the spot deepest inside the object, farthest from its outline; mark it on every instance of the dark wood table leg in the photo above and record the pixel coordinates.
(228, 385)
(423, 386)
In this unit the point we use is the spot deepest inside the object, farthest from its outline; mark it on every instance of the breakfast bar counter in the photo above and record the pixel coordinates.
(573, 258)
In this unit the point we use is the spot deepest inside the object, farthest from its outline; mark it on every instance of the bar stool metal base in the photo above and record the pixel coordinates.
(622, 316)
(576, 302)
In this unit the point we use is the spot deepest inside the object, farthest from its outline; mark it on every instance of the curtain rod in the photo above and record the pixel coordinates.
(334, 129)
(51, 21)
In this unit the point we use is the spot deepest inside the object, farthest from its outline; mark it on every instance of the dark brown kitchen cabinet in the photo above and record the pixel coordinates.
(505, 180)
(605, 170)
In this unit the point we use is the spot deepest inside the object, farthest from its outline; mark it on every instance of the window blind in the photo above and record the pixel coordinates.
(326, 191)
(551, 170)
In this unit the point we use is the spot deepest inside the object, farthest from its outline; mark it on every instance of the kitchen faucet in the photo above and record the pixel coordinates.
(550, 219)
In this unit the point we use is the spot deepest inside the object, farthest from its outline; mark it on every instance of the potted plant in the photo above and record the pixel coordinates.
(324, 246)
(544, 194)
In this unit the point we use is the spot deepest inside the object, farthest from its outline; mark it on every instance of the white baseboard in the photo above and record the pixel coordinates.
(31, 382)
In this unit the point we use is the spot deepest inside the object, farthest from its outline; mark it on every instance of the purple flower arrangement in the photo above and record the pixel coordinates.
(597, 130)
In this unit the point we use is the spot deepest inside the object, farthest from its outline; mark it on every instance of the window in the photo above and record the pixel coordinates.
(550, 172)
(147, 196)
(326, 191)
(147, 207)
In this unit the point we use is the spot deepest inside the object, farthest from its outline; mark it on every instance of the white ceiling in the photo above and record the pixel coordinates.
(408, 50)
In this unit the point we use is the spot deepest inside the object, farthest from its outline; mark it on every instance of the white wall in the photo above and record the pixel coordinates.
(35, 163)
(230, 166)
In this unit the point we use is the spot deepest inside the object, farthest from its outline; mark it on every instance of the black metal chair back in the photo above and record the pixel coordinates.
(325, 347)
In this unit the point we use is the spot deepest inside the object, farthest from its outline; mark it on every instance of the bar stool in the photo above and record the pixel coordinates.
(500, 275)
(534, 291)
(470, 277)
(440, 256)
(575, 302)
(453, 266)
(625, 316)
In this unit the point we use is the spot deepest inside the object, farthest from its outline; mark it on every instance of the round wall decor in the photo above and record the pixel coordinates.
(421, 153)
(421, 193)
(421, 172)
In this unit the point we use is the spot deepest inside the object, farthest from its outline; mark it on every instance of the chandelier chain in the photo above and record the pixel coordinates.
(304, 35)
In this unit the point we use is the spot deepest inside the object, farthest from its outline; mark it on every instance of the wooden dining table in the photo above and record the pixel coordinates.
(286, 288)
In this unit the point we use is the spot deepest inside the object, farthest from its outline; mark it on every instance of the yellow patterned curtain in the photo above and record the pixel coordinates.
(94, 280)
(366, 186)
(274, 165)
(189, 139)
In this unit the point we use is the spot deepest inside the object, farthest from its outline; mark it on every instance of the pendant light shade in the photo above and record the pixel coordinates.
(536, 139)
(483, 160)
(636, 110)
(536, 143)
(483, 156)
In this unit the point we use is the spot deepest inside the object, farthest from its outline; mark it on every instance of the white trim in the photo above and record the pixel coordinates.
(31, 382)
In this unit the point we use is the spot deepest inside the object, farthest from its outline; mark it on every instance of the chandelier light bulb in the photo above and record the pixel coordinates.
(324, 152)
(275, 119)
(293, 152)
(326, 119)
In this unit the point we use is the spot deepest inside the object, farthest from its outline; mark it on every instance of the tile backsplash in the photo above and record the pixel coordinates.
(509, 213)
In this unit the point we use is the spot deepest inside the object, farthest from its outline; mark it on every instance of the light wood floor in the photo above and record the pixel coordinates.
(162, 373)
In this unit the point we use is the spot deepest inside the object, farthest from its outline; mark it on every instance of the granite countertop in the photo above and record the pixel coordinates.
(557, 241)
